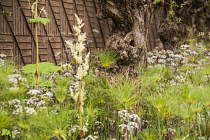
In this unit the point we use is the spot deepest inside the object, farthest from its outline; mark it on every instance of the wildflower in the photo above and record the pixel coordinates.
(193, 53)
(161, 61)
(84, 129)
(184, 47)
(44, 11)
(19, 109)
(150, 54)
(95, 31)
(123, 126)
(40, 103)
(30, 111)
(49, 94)
(133, 125)
(74, 128)
(2, 55)
(78, 59)
(90, 137)
(2, 63)
(134, 118)
(15, 78)
(57, 53)
(150, 60)
(79, 21)
(80, 47)
(14, 101)
(31, 101)
(33, 92)
(82, 37)
(163, 56)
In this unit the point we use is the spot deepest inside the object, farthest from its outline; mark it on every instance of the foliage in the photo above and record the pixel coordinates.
(170, 99)
(40, 19)
(44, 68)
(107, 57)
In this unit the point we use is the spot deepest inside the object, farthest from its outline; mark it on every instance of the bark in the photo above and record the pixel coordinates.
(131, 20)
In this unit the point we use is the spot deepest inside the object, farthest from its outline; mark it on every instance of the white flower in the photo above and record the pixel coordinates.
(162, 61)
(57, 53)
(133, 125)
(2, 62)
(123, 126)
(49, 94)
(77, 30)
(95, 31)
(80, 47)
(2, 55)
(150, 60)
(163, 56)
(40, 103)
(15, 78)
(90, 137)
(150, 54)
(30, 110)
(69, 43)
(184, 47)
(193, 53)
(33, 92)
(80, 72)
(84, 129)
(78, 59)
(82, 37)
(19, 109)
(14, 101)
(74, 128)
(79, 21)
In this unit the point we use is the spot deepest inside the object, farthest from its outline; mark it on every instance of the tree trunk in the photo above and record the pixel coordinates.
(131, 20)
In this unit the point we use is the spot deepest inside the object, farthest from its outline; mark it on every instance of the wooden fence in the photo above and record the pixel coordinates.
(16, 32)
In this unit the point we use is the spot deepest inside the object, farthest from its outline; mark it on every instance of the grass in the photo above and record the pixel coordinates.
(169, 100)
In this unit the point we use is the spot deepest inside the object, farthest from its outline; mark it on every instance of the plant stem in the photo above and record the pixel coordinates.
(199, 124)
(159, 128)
(80, 105)
(105, 72)
(37, 45)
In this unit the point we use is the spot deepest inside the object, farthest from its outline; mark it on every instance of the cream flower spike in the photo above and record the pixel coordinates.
(79, 21)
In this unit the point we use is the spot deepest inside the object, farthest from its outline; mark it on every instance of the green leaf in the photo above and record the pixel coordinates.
(32, 20)
(46, 84)
(44, 68)
(5, 132)
(40, 19)
(43, 20)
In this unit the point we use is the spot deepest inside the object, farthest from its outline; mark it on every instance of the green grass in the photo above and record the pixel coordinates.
(171, 102)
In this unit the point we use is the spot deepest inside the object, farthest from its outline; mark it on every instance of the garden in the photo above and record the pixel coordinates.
(168, 100)
(93, 98)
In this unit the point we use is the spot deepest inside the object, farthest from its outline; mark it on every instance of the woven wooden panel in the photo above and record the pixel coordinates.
(16, 32)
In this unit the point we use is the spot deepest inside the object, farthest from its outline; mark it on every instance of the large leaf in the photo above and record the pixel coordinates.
(40, 19)
(44, 68)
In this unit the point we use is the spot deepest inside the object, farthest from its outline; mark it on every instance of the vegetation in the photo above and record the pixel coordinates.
(36, 19)
(168, 100)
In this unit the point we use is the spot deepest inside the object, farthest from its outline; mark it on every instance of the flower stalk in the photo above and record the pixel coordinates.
(82, 61)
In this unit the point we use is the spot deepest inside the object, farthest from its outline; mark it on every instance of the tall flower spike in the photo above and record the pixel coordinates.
(79, 21)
